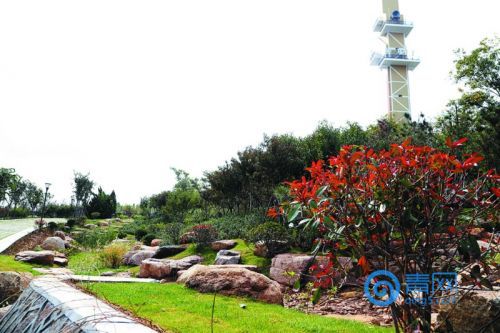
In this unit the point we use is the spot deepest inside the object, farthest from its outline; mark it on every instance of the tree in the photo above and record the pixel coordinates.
(102, 203)
(409, 209)
(82, 188)
(184, 197)
(33, 196)
(7, 177)
(476, 114)
(17, 188)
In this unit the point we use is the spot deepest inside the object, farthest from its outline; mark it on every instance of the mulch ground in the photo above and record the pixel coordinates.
(346, 304)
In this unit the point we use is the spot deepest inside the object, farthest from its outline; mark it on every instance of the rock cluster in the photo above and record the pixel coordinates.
(166, 268)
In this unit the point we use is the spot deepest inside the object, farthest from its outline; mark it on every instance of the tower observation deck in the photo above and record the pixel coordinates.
(396, 59)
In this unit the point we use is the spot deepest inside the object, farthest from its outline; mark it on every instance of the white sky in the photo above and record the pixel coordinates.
(126, 89)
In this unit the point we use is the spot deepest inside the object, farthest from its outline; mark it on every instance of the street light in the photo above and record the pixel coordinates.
(47, 185)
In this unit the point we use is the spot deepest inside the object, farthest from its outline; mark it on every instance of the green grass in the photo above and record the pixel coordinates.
(178, 309)
(88, 263)
(7, 263)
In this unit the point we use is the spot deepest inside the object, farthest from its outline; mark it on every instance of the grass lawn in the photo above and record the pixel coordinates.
(88, 263)
(7, 263)
(178, 309)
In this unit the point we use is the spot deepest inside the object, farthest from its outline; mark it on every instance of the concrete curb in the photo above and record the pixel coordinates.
(50, 305)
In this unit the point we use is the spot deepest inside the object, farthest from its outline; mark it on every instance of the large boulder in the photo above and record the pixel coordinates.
(227, 257)
(224, 244)
(232, 281)
(136, 257)
(287, 268)
(53, 243)
(168, 251)
(11, 286)
(166, 268)
(36, 257)
(476, 311)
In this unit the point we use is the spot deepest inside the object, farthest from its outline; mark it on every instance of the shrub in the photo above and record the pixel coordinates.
(81, 221)
(70, 223)
(172, 233)
(95, 215)
(148, 239)
(140, 233)
(236, 226)
(111, 256)
(96, 238)
(418, 202)
(121, 235)
(52, 226)
(274, 236)
(40, 224)
(19, 213)
(204, 234)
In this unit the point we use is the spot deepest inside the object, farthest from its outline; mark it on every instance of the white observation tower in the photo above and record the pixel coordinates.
(393, 29)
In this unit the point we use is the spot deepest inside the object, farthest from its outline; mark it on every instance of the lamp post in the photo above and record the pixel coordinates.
(47, 185)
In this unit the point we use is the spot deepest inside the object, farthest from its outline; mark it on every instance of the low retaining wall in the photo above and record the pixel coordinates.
(49, 305)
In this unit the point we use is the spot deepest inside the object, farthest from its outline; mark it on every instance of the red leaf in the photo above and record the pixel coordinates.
(472, 161)
(364, 265)
(496, 191)
(458, 143)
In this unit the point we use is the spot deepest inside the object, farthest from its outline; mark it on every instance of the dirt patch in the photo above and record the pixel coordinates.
(28, 242)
